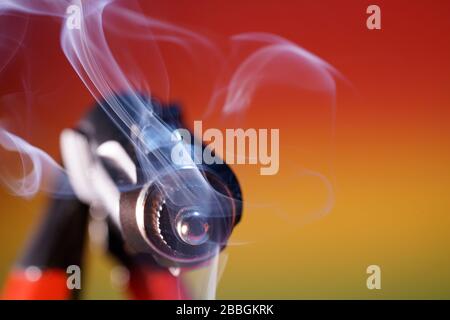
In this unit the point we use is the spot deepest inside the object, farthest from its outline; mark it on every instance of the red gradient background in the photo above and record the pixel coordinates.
(388, 161)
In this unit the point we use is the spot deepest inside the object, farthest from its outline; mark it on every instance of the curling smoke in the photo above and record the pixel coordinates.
(275, 60)
(37, 169)
(106, 73)
(86, 47)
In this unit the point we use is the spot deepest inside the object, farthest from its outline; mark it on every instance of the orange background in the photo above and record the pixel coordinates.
(388, 161)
